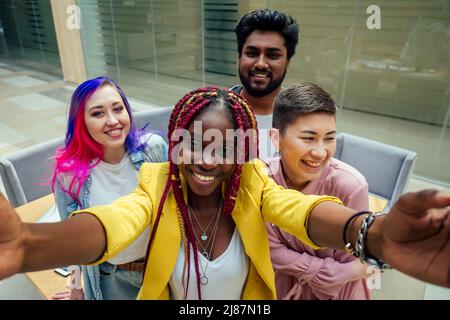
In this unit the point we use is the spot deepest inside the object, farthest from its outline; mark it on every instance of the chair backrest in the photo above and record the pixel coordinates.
(24, 172)
(385, 167)
(158, 120)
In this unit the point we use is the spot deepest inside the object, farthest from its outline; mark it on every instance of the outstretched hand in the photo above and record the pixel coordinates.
(416, 236)
(12, 239)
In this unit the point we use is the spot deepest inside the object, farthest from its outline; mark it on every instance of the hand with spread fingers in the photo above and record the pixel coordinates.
(416, 235)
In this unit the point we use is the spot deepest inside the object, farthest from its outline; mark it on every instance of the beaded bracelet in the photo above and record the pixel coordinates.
(360, 246)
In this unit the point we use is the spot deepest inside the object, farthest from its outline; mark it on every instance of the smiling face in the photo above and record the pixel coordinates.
(206, 178)
(306, 147)
(263, 62)
(107, 121)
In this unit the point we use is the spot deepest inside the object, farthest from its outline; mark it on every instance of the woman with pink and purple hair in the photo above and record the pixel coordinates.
(99, 162)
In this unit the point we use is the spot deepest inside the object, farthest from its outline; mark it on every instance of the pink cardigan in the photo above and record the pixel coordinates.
(302, 273)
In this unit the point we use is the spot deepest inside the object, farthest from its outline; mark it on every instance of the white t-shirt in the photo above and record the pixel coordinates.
(226, 274)
(109, 182)
(266, 148)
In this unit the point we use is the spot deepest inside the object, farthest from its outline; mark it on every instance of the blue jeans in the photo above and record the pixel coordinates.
(117, 284)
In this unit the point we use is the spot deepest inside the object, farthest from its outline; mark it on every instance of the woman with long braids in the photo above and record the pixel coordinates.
(207, 213)
(99, 163)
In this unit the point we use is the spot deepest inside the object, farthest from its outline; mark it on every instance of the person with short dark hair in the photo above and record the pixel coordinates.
(300, 100)
(304, 132)
(266, 41)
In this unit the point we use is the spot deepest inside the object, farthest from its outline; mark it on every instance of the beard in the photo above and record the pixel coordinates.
(260, 92)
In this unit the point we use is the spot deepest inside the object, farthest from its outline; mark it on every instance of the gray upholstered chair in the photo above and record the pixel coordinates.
(24, 172)
(385, 167)
(157, 119)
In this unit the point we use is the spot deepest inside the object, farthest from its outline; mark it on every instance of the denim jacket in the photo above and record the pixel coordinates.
(155, 150)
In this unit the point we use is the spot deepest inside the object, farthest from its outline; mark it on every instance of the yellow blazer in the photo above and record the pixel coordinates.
(259, 199)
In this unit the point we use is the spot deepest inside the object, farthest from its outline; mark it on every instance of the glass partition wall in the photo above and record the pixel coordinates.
(159, 49)
(27, 35)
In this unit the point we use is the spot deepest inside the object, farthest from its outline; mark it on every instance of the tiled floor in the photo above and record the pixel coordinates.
(23, 81)
(33, 110)
(29, 107)
(35, 102)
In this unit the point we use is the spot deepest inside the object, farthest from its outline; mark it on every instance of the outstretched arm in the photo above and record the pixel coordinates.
(414, 237)
(25, 247)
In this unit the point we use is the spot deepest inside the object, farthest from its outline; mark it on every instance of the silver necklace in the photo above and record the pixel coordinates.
(204, 236)
(203, 277)
(205, 252)
(204, 248)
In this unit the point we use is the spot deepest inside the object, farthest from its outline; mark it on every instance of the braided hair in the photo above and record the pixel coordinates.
(184, 112)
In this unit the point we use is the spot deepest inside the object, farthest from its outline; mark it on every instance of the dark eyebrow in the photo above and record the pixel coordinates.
(100, 106)
(272, 49)
(250, 47)
(308, 131)
(313, 132)
(95, 107)
(226, 142)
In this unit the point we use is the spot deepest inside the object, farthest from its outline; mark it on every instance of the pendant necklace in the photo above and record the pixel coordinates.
(204, 236)
(204, 249)
(203, 277)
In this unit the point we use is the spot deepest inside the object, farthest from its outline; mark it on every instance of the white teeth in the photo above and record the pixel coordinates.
(114, 133)
(203, 178)
(312, 164)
